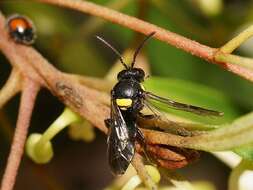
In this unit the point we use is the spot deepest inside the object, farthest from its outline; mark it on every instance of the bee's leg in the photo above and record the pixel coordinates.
(140, 136)
(108, 122)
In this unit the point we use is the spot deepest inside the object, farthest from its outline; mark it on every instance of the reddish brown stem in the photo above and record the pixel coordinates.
(141, 26)
(138, 25)
(28, 97)
(34, 66)
(142, 172)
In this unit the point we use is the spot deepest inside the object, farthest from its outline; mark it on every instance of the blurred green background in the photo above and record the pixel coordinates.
(66, 39)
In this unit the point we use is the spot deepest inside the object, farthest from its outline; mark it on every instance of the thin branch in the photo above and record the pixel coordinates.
(34, 66)
(146, 28)
(237, 41)
(142, 172)
(11, 87)
(235, 59)
(138, 25)
(28, 97)
(8, 48)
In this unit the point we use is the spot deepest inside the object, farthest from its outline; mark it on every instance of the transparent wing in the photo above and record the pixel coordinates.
(181, 106)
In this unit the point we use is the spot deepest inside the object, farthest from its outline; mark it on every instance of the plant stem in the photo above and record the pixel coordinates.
(235, 59)
(66, 118)
(141, 26)
(11, 87)
(230, 46)
(138, 25)
(142, 172)
(28, 97)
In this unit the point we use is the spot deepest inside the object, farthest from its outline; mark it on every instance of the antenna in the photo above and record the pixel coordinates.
(140, 46)
(114, 50)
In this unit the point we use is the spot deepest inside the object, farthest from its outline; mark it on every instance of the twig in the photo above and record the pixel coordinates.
(85, 101)
(11, 87)
(141, 171)
(29, 94)
(8, 48)
(235, 59)
(138, 25)
(237, 41)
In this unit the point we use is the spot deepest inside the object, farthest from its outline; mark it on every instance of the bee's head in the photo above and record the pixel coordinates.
(129, 72)
(134, 73)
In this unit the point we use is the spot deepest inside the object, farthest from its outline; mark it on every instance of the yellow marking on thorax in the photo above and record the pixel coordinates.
(124, 102)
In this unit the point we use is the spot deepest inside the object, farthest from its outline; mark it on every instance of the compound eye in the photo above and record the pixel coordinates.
(140, 74)
(121, 75)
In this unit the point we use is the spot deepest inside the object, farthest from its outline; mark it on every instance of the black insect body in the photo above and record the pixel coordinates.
(128, 98)
(126, 103)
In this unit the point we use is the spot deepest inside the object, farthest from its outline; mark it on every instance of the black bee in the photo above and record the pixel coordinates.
(128, 97)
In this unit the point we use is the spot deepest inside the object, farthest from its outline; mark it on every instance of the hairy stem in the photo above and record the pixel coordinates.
(64, 120)
(138, 25)
(235, 59)
(11, 87)
(28, 97)
(141, 26)
(141, 171)
(79, 98)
